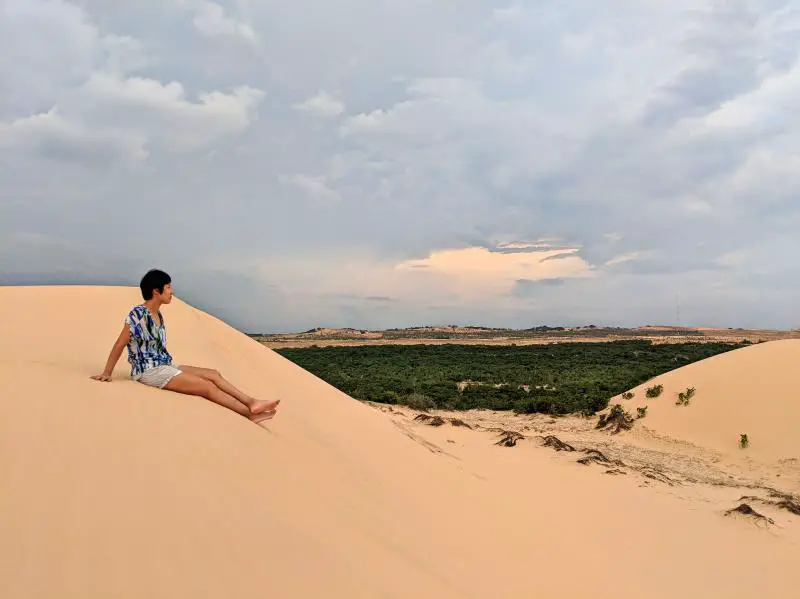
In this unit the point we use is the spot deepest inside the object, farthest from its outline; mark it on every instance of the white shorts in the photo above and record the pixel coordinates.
(158, 376)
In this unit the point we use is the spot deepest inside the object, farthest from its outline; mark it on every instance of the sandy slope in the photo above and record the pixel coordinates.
(752, 390)
(117, 490)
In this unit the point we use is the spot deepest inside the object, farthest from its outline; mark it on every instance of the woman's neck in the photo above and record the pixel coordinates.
(153, 305)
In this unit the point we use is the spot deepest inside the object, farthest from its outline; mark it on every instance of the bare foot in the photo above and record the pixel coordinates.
(260, 406)
(258, 418)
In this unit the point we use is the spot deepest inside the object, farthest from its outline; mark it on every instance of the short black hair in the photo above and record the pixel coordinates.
(153, 279)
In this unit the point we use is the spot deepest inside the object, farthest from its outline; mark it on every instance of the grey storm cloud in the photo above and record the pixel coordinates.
(527, 287)
(561, 256)
(286, 160)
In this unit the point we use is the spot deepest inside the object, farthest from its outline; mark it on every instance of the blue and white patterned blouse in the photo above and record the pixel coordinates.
(148, 344)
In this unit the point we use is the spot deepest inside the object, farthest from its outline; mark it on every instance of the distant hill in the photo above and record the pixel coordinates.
(536, 334)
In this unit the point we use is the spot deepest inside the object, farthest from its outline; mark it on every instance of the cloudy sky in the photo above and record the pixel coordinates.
(408, 162)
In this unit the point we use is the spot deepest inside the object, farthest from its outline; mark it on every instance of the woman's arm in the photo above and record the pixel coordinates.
(114, 355)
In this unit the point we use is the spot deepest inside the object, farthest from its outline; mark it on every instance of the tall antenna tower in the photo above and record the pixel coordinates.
(678, 309)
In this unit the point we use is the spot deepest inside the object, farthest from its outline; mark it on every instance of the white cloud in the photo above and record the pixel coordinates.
(623, 258)
(508, 13)
(211, 19)
(735, 258)
(770, 107)
(322, 104)
(52, 136)
(163, 111)
(86, 104)
(33, 74)
(314, 187)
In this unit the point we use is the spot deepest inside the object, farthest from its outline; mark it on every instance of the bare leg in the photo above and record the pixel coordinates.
(190, 384)
(256, 406)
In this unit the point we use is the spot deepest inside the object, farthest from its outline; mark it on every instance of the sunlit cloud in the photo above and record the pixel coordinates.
(477, 270)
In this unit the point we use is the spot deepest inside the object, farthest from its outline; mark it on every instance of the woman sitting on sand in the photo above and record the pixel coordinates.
(145, 336)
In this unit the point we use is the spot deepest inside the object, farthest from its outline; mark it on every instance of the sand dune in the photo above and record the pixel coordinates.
(117, 490)
(750, 390)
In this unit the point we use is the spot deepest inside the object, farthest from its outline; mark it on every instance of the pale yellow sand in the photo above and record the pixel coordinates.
(753, 390)
(117, 490)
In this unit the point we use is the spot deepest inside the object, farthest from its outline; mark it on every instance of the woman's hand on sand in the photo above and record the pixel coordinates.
(102, 377)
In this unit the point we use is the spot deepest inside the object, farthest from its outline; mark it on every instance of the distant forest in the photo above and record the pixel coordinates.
(476, 332)
(559, 378)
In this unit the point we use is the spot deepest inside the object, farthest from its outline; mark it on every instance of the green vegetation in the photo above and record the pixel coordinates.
(743, 441)
(684, 397)
(555, 378)
(654, 391)
(627, 395)
(420, 402)
(457, 332)
(641, 412)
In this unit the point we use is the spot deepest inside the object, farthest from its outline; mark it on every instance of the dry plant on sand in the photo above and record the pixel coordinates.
(594, 456)
(509, 438)
(783, 501)
(745, 510)
(430, 420)
(617, 418)
(656, 473)
(439, 421)
(556, 443)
